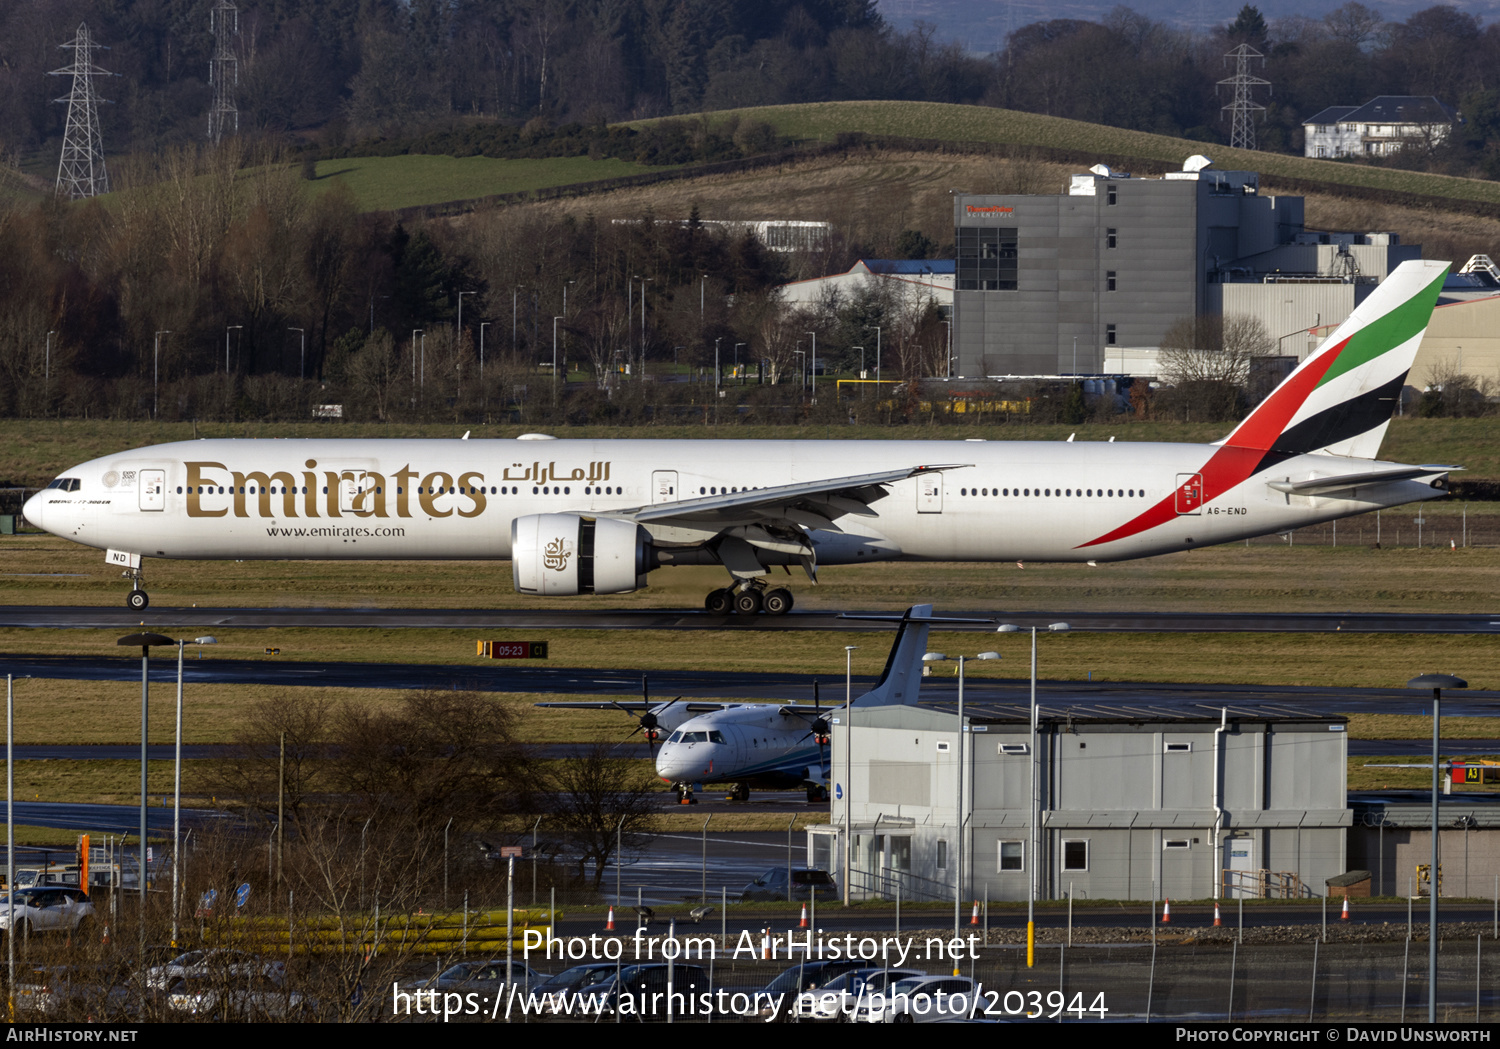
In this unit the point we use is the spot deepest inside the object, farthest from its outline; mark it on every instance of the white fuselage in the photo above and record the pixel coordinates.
(752, 743)
(456, 499)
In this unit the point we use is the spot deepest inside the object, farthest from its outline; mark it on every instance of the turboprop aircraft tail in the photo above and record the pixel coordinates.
(902, 677)
(1339, 401)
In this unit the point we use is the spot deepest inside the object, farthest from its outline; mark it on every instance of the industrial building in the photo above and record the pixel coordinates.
(1088, 281)
(1132, 801)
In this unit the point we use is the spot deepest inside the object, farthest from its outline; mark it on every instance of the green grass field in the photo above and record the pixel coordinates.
(824, 121)
(387, 183)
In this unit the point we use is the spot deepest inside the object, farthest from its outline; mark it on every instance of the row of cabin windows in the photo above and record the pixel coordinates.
(419, 490)
(1089, 493)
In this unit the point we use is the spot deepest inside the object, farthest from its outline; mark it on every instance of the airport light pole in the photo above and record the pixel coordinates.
(177, 784)
(812, 367)
(1436, 682)
(156, 369)
(1034, 846)
(482, 325)
(554, 355)
(227, 330)
(458, 328)
(302, 369)
(958, 795)
(877, 353)
(513, 290)
(849, 651)
(145, 640)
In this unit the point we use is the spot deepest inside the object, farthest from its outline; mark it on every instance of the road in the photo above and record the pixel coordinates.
(199, 619)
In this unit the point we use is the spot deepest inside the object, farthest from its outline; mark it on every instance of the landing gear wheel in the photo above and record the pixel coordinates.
(777, 602)
(817, 794)
(747, 602)
(719, 602)
(138, 599)
(740, 792)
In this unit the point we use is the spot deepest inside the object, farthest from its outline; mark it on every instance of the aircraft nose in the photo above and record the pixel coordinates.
(33, 510)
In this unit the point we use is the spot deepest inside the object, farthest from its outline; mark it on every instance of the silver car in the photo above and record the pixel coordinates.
(45, 909)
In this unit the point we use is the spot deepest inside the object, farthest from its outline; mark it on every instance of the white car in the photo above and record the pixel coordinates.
(248, 997)
(840, 997)
(220, 966)
(45, 908)
(920, 999)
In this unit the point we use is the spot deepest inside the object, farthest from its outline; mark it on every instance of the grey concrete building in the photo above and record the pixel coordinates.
(1088, 281)
(1133, 801)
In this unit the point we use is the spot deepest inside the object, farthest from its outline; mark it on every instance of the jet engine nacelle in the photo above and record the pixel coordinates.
(557, 555)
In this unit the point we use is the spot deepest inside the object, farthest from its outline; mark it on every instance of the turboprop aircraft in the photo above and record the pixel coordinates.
(775, 746)
(580, 517)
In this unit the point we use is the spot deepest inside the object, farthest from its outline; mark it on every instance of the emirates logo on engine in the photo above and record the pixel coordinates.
(555, 555)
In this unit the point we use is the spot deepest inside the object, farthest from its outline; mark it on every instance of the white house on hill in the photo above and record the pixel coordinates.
(1380, 127)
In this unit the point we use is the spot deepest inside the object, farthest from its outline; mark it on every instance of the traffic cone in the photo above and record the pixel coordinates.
(803, 923)
(765, 945)
(1217, 922)
(1345, 915)
(974, 917)
(1166, 911)
(609, 923)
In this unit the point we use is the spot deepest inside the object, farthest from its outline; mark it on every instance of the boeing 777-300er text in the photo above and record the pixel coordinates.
(580, 517)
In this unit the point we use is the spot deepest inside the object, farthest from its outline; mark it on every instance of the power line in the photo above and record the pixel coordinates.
(80, 169)
(1244, 107)
(224, 71)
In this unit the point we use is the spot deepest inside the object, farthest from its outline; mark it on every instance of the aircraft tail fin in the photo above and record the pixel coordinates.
(1339, 401)
(902, 678)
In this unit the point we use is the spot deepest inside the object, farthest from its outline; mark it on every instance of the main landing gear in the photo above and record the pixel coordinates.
(748, 599)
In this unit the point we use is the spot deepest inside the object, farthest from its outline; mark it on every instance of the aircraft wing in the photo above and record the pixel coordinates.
(811, 504)
(633, 707)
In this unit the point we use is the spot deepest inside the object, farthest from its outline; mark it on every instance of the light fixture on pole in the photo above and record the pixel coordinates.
(958, 794)
(156, 369)
(1436, 682)
(1034, 845)
(227, 330)
(177, 782)
(848, 799)
(302, 368)
(145, 641)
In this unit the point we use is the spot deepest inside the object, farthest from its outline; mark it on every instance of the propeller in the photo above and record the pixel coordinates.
(646, 721)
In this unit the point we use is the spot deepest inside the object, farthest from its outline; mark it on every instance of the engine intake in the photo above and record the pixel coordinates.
(556, 555)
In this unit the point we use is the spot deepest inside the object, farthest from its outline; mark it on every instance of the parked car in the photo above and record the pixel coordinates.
(220, 966)
(920, 999)
(247, 997)
(46, 908)
(838, 999)
(806, 881)
(646, 988)
(780, 995)
(76, 992)
(558, 992)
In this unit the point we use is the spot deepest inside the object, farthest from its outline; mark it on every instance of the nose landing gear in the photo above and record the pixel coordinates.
(748, 599)
(137, 599)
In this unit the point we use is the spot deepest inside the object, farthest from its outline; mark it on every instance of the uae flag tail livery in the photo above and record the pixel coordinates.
(1340, 400)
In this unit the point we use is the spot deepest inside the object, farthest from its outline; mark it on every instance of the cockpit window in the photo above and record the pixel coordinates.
(66, 484)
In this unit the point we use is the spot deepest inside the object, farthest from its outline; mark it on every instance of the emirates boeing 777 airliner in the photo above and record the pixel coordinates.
(578, 517)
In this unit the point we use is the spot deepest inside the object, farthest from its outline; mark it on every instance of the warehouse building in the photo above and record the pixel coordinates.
(1089, 281)
(1133, 801)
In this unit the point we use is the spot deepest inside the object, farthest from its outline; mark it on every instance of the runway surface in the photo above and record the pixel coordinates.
(665, 684)
(200, 619)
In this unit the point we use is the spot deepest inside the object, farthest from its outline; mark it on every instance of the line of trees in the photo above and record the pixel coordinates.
(341, 72)
(221, 289)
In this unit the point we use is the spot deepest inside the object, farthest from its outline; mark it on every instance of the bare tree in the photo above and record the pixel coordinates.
(603, 802)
